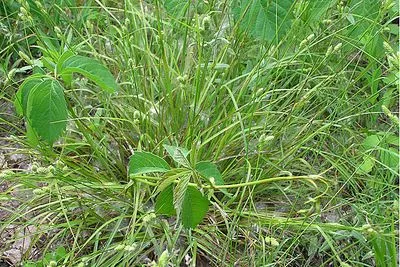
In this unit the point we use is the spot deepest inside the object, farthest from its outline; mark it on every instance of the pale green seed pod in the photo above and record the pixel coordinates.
(303, 43)
(182, 79)
(163, 260)
(206, 22)
(38, 191)
(130, 248)
(272, 241)
(51, 169)
(136, 114)
(265, 138)
(57, 30)
(260, 91)
(387, 47)
(59, 164)
(329, 51)
(212, 181)
(149, 218)
(35, 166)
(89, 25)
(310, 37)
(23, 11)
(337, 47)
(392, 117)
(39, 5)
(119, 247)
(25, 57)
(127, 22)
(41, 170)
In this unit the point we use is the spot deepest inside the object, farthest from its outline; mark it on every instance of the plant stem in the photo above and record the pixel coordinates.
(144, 179)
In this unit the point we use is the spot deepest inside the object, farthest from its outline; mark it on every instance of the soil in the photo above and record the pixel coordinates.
(11, 158)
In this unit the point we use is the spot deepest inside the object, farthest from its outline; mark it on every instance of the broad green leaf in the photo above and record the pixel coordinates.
(366, 27)
(365, 13)
(49, 46)
(367, 165)
(388, 97)
(372, 142)
(316, 9)
(194, 208)
(47, 110)
(61, 252)
(92, 69)
(177, 8)
(146, 162)
(393, 140)
(48, 63)
(390, 157)
(208, 169)
(164, 202)
(66, 76)
(389, 138)
(21, 98)
(178, 154)
(31, 135)
(267, 20)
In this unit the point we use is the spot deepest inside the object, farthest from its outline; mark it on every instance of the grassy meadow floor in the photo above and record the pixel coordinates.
(302, 91)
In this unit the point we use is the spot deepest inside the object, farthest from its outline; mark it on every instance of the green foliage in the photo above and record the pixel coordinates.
(382, 146)
(384, 249)
(165, 202)
(50, 259)
(21, 98)
(209, 170)
(40, 99)
(189, 201)
(194, 207)
(365, 17)
(294, 102)
(145, 162)
(316, 9)
(178, 154)
(181, 199)
(177, 8)
(46, 110)
(367, 165)
(92, 69)
(180, 190)
(267, 20)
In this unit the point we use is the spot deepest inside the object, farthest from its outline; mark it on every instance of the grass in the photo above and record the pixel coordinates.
(300, 106)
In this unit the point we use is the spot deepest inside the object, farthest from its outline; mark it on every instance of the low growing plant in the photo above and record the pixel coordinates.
(41, 100)
(186, 191)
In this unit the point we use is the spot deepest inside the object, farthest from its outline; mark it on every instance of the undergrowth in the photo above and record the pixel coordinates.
(257, 89)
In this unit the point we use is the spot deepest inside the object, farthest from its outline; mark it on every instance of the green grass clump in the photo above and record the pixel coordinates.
(302, 91)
